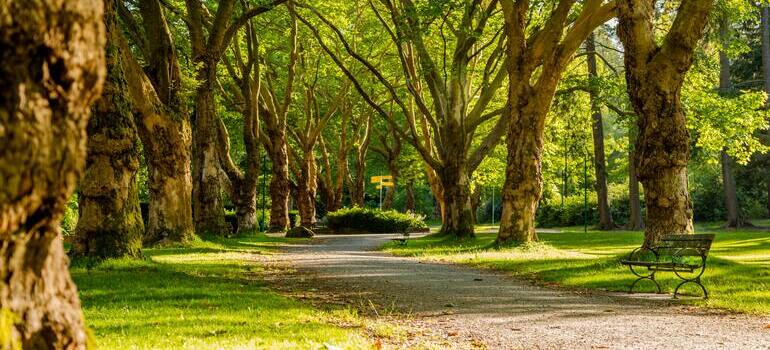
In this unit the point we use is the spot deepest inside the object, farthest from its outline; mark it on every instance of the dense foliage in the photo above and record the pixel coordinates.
(374, 220)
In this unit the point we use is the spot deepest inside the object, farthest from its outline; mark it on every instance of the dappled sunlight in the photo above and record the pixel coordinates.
(737, 275)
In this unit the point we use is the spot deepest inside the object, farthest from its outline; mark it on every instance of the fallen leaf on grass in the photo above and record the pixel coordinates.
(452, 333)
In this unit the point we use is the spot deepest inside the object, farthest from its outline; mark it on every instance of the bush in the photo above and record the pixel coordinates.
(553, 214)
(374, 220)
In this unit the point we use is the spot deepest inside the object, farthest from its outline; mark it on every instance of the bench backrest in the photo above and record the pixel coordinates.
(685, 245)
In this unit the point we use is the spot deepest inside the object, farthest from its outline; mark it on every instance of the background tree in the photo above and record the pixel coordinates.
(44, 108)
(110, 223)
(441, 125)
(160, 113)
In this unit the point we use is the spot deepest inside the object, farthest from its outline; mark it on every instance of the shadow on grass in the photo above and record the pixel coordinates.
(195, 298)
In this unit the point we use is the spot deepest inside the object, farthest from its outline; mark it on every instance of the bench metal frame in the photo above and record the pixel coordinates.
(672, 247)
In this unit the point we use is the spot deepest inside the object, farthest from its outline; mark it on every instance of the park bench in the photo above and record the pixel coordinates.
(684, 255)
(403, 239)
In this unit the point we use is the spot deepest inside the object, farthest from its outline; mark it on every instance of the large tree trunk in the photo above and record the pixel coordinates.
(635, 220)
(654, 77)
(279, 181)
(208, 206)
(110, 223)
(605, 216)
(458, 213)
(165, 131)
(52, 54)
(523, 181)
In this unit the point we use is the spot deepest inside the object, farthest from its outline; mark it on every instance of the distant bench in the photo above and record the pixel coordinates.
(684, 255)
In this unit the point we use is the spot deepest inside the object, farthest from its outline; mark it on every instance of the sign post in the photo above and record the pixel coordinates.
(382, 181)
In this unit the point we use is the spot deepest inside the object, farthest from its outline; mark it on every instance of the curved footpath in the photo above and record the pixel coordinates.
(462, 307)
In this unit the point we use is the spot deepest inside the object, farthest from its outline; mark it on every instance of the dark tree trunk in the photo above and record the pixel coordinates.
(654, 77)
(410, 202)
(734, 217)
(279, 182)
(475, 202)
(110, 223)
(390, 196)
(306, 190)
(458, 214)
(765, 24)
(52, 54)
(635, 220)
(605, 215)
(164, 128)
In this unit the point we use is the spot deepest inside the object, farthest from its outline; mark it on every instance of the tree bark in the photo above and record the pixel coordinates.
(458, 216)
(279, 181)
(52, 70)
(654, 76)
(635, 220)
(409, 206)
(164, 128)
(110, 223)
(605, 215)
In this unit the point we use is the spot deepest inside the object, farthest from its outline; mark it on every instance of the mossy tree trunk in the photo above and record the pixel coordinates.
(654, 77)
(110, 223)
(52, 54)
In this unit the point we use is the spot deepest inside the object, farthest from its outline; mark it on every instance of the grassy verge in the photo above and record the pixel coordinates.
(737, 277)
(206, 296)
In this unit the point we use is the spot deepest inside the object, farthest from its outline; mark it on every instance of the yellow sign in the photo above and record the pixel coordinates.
(383, 178)
(384, 184)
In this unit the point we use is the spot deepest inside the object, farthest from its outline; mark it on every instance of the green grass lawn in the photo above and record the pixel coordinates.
(207, 296)
(737, 276)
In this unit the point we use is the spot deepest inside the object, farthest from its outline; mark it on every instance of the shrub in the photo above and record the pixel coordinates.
(374, 220)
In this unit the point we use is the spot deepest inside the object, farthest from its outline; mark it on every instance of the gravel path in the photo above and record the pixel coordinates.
(463, 307)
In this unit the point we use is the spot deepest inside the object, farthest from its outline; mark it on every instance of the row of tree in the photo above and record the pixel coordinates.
(450, 80)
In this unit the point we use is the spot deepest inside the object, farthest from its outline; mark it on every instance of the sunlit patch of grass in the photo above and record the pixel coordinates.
(208, 295)
(737, 276)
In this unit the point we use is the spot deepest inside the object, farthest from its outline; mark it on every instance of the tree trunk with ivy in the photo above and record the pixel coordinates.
(52, 54)
(654, 77)
(110, 223)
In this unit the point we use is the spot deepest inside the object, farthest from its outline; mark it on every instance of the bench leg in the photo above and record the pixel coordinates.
(696, 281)
(651, 277)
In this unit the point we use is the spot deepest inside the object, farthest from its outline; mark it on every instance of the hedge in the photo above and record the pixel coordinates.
(374, 220)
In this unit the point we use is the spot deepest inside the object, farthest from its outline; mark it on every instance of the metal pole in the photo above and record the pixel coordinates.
(380, 193)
